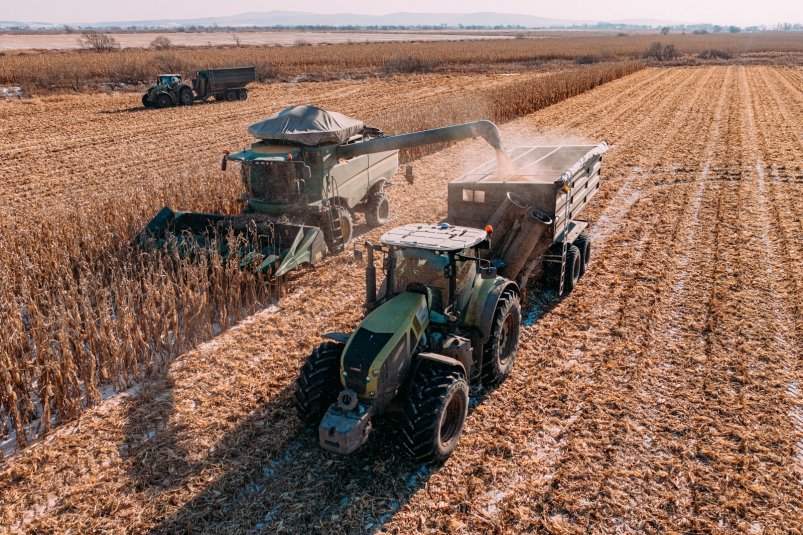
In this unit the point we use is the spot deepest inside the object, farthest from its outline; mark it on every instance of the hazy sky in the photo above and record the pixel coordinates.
(740, 12)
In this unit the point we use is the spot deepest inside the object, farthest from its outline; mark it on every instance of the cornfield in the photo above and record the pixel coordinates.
(87, 312)
(46, 70)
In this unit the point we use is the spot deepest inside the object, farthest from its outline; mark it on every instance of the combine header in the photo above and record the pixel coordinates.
(310, 171)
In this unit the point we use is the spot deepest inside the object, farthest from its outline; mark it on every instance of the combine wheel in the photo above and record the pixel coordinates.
(434, 413)
(231, 96)
(378, 210)
(583, 243)
(185, 96)
(500, 350)
(318, 383)
(242, 94)
(163, 100)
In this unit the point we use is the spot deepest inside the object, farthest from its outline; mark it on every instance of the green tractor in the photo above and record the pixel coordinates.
(441, 321)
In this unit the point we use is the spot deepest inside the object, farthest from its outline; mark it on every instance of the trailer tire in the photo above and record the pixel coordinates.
(583, 243)
(185, 96)
(377, 211)
(163, 100)
(434, 413)
(318, 383)
(242, 94)
(574, 261)
(231, 96)
(499, 351)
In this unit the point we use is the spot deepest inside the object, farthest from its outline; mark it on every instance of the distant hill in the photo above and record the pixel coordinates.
(297, 18)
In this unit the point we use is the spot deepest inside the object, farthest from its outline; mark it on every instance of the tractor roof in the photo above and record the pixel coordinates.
(443, 237)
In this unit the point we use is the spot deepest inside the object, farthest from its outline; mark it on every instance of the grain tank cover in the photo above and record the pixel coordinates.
(307, 125)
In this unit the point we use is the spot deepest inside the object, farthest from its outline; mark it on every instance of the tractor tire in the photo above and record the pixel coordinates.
(318, 383)
(242, 94)
(377, 212)
(583, 243)
(574, 261)
(231, 96)
(145, 102)
(163, 100)
(185, 97)
(434, 412)
(499, 351)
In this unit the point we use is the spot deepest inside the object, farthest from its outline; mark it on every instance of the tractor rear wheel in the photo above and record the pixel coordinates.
(185, 96)
(163, 100)
(318, 383)
(583, 243)
(500, 350)
(434, 413)
(377, 211)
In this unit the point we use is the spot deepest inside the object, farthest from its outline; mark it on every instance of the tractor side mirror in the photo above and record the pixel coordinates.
(358, 255)
(488, 272)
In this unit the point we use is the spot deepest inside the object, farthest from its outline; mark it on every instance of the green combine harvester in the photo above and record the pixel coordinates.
(307, 175)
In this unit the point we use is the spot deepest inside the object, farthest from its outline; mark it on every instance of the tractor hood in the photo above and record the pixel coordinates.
(376, 358)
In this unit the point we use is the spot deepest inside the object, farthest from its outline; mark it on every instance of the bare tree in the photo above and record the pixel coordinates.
(161, 43)
(665, 30)
(97, 41)
(237, 40)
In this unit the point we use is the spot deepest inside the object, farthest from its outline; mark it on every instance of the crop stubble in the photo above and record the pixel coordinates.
(656, 396)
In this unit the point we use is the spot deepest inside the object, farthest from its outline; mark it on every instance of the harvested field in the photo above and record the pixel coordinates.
(86, 310)
(662, 395)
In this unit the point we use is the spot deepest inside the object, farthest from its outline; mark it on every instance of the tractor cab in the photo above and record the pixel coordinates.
(441, 261)
(167, 80)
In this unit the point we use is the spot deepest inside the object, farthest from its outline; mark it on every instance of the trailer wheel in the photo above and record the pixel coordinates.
(583, 243)
(318, 382)
(231, 96)
(242, 94)
(434, 413)
(163, 100)
(185, 96)
(573, 263)
(219, 98)
(377, 211)
(499, 352)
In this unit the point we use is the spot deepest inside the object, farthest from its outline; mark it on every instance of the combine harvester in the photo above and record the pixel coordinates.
(305, 177)
(448, 313)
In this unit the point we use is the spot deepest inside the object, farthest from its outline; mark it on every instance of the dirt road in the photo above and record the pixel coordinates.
(662, 395)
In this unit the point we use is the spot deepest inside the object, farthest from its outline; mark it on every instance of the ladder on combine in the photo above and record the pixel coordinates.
(334, 225)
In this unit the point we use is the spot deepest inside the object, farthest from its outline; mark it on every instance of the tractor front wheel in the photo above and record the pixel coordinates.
(145, 101)
(500, 350)
(434, 413)
(377, 211)
(318, 383)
